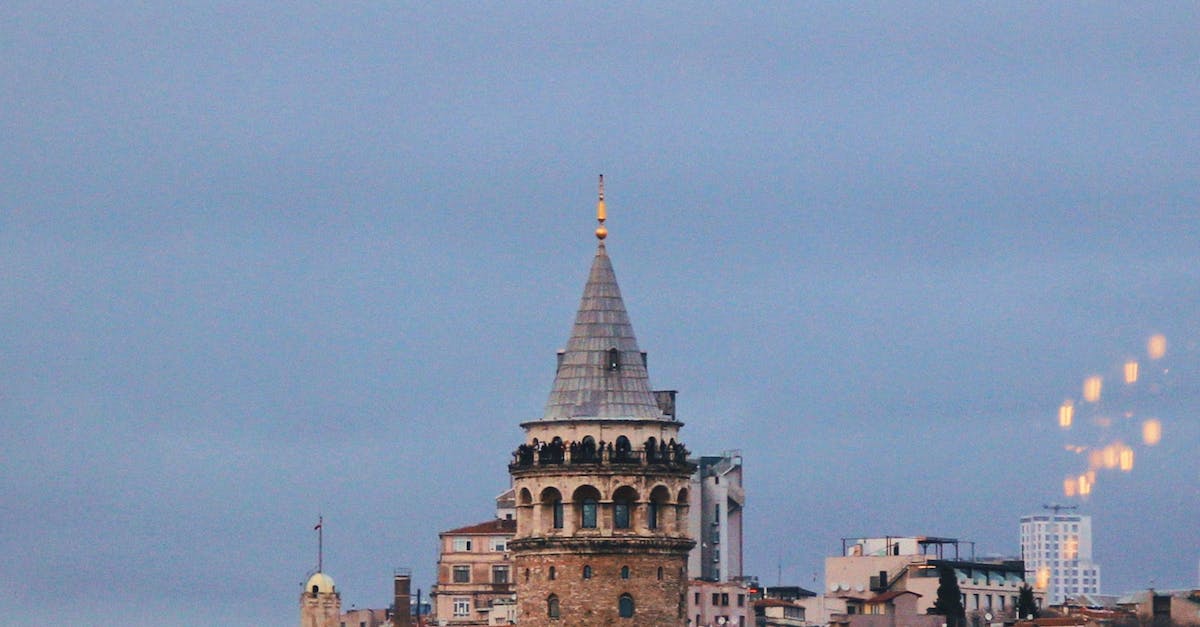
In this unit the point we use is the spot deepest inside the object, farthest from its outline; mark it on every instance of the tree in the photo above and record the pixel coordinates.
(1026, 606)
(949, 599)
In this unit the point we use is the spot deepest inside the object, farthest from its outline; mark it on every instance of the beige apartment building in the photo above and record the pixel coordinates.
(871, 571)
(474, 574)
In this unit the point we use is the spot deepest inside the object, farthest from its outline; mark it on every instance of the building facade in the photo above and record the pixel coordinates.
(602, 480)
(871, 570)
(1057, 550)
(320, 602)
(474, 573)
(715, 520)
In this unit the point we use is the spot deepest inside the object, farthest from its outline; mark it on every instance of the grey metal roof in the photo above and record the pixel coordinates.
(586, 386)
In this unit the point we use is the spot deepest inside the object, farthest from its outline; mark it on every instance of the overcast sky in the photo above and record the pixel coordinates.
(260, 262)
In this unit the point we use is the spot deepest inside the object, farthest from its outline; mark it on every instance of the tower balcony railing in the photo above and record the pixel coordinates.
(557, 454)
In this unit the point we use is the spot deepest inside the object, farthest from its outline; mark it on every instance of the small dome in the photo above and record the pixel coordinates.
(322, 582)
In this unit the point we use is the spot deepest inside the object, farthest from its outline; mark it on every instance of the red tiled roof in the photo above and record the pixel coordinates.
(888, 596)
(496, 526)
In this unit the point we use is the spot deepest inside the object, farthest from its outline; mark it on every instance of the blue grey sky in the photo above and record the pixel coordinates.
(262, 261)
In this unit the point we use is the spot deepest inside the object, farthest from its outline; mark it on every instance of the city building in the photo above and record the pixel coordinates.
(602, 480)
(1057, 550)
(715, 519)
(474, 572)
(716, 603)
(871, 571)
(366, 618)
(320, 603)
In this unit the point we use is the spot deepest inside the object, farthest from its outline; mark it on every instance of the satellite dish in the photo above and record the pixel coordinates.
(833, 587)
(720, 620)
(987, 616)
(859, 587)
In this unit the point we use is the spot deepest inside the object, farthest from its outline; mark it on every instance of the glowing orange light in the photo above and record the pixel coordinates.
(1156, 347)
(1111, 456)
(1091, 388)
(1069, 488)
(1151, 431)
(1043, 577)
(1095, 458)
(1131, 371)
(1126, 459)
(1085, 486)
(1065, 413)
(1071, 548)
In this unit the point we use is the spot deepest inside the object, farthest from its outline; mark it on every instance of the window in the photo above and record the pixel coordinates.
(462, 544)
(741, 600)
(614, 359)
(558, 514)
(553, 574)
(624, 572)
(625, 606)
(621, 514)
(462, 574)
(500, 545)
(462, 606)
(552, 606)
(716, 598)
(499, 574)
(660, 576)
(587, 572)
(589, 514)
(697, 599)
(724, 598)
(652, 515)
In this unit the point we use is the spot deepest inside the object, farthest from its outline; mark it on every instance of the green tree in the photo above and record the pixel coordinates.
(1026, 606)
(949, 599)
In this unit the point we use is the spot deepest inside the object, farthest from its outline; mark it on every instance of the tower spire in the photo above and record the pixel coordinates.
(601, 215)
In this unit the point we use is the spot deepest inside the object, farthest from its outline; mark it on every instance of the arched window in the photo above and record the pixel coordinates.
(552, 507)
(587, 508)
(660, 573)
(587, 572)
(588, 519)
(314, 592)
(614, 359)
(553, 574)
(625, 606)
(624, 499)
(652, 515)
(624, 572)
(552, 606)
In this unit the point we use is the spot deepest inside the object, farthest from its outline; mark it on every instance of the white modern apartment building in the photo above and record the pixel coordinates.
(1057, 550)
(715, 518)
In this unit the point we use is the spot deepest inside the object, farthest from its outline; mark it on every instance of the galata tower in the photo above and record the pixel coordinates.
(601, 480)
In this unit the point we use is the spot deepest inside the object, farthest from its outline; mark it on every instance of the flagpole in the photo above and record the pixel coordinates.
(320, 543)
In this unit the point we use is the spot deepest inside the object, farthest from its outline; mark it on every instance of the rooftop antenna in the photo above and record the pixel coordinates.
(320, 529)
(601, 216)
(1055, 507)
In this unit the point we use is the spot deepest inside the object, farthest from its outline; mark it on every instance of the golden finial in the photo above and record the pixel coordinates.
(601, 232)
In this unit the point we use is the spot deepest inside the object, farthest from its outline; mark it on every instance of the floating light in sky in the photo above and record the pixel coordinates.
(1151, 431)
(1069, 486)
(1085, 485)
(1156, 347)
(1131, 371)
(1111, 456)
(1126, 459)
(1065, 413)
(1091, 388)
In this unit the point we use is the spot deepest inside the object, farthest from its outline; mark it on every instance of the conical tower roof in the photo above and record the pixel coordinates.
(602, 373)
